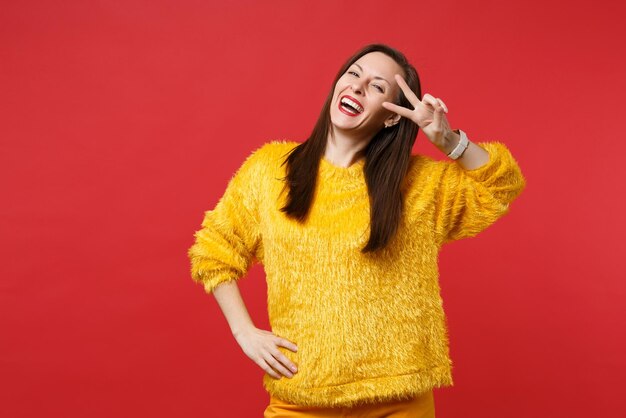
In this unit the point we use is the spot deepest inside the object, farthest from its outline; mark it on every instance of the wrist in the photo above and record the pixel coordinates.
(242, 330)
(461, 146)
(451, 140)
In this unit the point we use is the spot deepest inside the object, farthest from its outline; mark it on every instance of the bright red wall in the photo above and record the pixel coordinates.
(122, 121)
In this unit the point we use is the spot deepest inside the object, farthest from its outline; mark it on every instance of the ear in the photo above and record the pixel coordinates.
(392, 119)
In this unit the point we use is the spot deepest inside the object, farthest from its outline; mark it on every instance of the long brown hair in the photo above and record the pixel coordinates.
(387, 158)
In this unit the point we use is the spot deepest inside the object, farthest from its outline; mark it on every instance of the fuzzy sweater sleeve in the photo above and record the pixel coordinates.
(468, 201)
(229, 239)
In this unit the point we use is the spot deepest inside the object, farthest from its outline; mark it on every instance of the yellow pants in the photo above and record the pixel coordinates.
(422, 406)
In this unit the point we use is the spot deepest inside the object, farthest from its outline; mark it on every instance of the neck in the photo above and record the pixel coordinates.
(343, 149)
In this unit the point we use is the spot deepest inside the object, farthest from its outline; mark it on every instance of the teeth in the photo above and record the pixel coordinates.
(352, 103)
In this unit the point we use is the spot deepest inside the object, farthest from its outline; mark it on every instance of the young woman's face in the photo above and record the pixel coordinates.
(367, 83)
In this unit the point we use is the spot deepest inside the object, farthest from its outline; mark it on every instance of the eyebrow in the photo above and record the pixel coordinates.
(376, 77)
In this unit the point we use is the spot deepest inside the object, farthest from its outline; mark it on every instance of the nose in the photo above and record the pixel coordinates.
(357, 86)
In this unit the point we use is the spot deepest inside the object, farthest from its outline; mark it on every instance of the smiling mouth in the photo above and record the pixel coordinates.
(350, 107)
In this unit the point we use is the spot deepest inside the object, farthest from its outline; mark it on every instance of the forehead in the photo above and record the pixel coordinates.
(380, 64)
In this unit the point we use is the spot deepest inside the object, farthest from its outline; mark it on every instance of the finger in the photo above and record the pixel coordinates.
(443, 104)
(276, 365)
(400, 110)
(431, 101)
(281, 357)
(428, 98)
(268, 369)
(408, 93)
(438, 118)
(284, 360)
(287, 344)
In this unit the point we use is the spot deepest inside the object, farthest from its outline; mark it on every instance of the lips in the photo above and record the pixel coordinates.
(348, 112)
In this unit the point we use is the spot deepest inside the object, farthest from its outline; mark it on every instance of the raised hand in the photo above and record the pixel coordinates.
(428, 114)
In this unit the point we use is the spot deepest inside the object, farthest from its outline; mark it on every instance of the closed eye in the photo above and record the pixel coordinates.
(375, 85)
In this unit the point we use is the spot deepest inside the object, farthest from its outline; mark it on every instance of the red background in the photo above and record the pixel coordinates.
(122, 121)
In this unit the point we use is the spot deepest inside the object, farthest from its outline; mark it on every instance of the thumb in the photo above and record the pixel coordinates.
(438, 117)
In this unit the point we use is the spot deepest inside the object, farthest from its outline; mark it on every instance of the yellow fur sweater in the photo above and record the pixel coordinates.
(368, 328)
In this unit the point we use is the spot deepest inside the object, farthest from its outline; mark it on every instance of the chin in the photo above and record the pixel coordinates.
(343, 124)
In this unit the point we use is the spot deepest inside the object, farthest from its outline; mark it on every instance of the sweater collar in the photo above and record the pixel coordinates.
(354, 171)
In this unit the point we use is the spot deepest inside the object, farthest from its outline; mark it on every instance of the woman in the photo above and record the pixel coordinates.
(348, 225)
